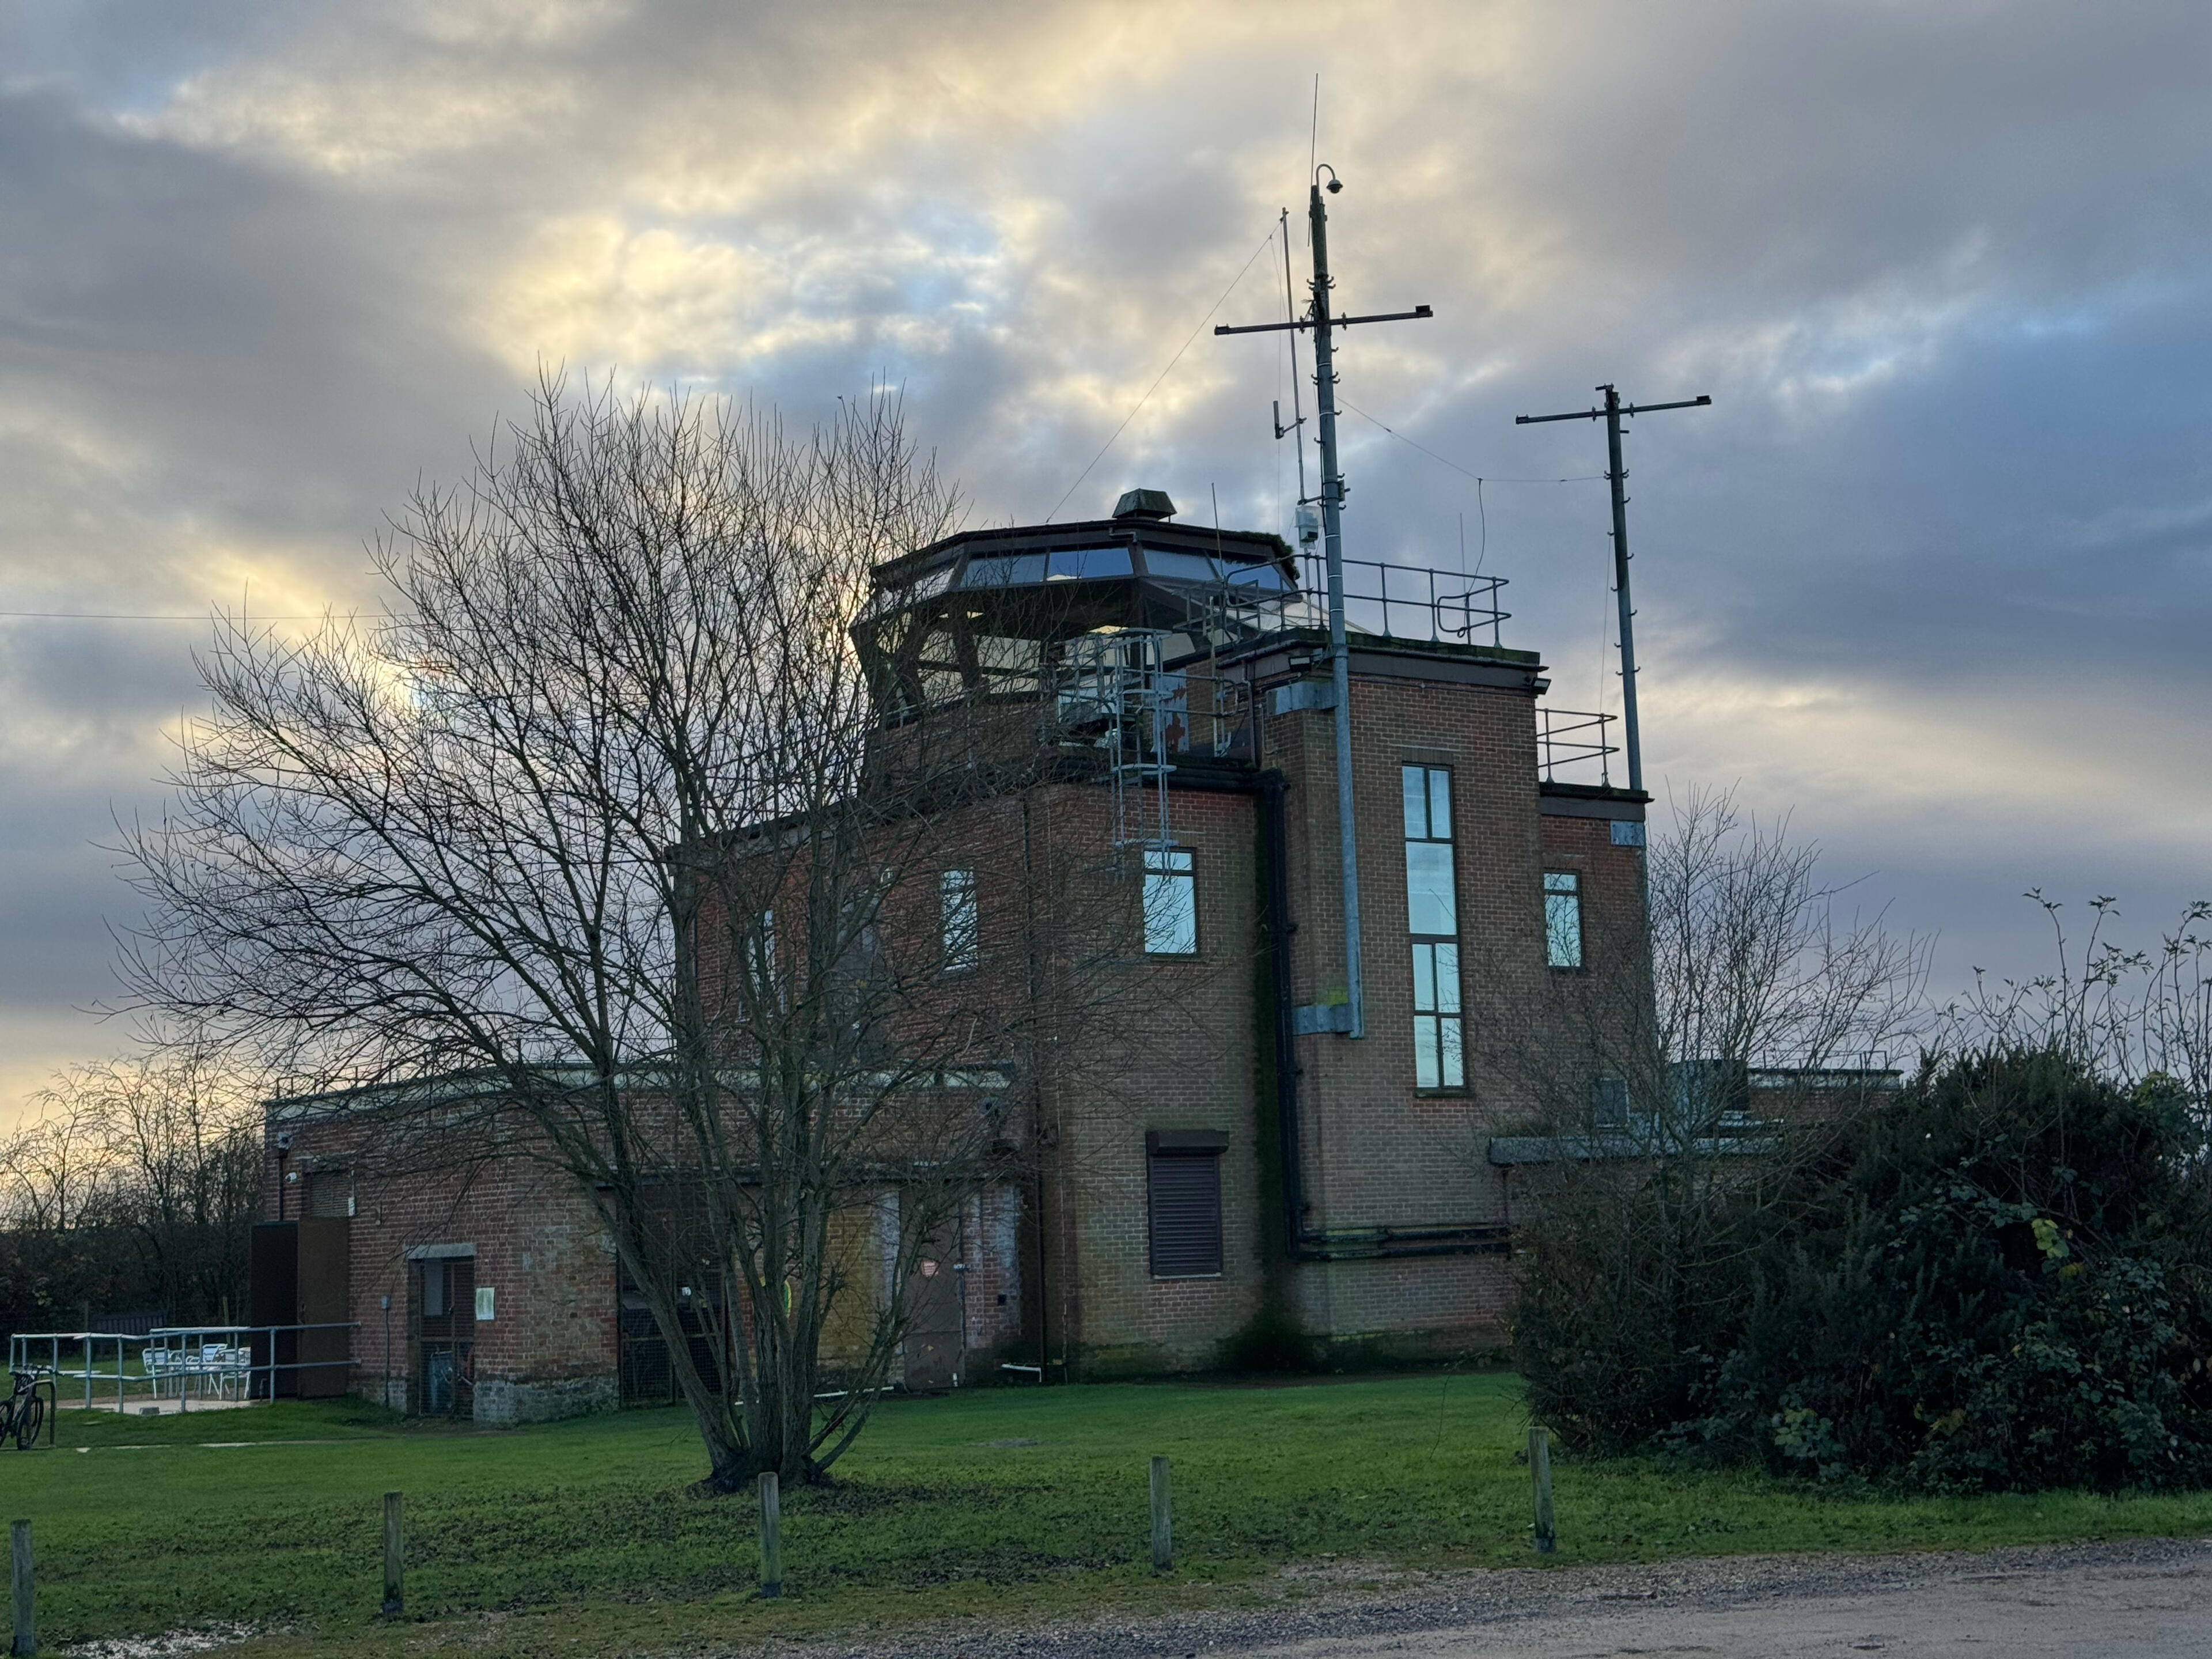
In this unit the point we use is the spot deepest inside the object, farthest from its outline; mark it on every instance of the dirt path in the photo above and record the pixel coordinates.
(2136, 1598)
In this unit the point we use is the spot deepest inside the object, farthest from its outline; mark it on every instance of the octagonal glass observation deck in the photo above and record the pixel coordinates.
(989, 613)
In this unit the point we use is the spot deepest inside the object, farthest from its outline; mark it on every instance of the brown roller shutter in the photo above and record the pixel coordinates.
(1185, 1190)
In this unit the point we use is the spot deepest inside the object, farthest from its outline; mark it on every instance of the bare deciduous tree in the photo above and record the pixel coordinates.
(52, 1167)
(1654, 1155)
(139, 1177)
(593, 820)
(1752, 964)
(2123, 1012)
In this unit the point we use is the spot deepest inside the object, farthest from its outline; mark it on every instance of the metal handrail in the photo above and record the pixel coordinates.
(1412, 602)
(1560, 741)
(191, 1352)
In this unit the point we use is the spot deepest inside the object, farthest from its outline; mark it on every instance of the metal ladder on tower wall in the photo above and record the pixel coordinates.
(1120, 679)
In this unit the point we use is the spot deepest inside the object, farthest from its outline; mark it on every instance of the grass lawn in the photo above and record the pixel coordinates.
(582, 1538)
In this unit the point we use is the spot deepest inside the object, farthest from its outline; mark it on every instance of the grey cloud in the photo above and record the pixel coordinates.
(1942, 270)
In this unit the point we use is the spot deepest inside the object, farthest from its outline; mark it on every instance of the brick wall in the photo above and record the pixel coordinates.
(550, 1347)
(1376, 1153)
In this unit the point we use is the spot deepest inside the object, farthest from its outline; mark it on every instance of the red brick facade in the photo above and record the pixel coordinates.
(1398, 1242)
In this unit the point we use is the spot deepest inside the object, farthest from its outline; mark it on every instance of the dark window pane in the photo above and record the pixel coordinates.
(1182, 566)
(1087, 563)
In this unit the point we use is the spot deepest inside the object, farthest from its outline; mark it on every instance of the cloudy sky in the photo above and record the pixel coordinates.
(1934, 572)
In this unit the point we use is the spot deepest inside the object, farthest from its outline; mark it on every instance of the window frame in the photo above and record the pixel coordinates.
(1572, 892)
(961, 941)
(1438, 1028)
(1188, 875)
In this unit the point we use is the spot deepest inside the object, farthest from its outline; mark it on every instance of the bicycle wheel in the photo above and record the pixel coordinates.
(29, 1418)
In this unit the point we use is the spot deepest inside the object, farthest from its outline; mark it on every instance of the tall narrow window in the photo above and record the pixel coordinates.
(1170, 902)
(955, 897)
(1562, 918)
(1433, 918)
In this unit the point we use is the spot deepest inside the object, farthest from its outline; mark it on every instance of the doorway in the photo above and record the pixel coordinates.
(442, 1311)
(935, 1347)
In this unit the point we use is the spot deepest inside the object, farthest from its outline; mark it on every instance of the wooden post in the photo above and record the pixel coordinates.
(1162, 1521)
(771, 1536)
(395, 1560)
(26, 1641)
(1540, 1476)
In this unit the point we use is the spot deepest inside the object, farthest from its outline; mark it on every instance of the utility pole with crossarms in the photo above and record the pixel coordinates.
(1618, 475)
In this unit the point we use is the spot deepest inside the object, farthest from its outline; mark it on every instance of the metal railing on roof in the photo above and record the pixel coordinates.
(1570, 737)
(1411, 602)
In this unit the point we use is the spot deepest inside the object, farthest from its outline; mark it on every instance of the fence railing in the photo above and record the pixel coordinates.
(180, 1362)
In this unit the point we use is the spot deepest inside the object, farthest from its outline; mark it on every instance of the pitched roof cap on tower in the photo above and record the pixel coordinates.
(1144, 504)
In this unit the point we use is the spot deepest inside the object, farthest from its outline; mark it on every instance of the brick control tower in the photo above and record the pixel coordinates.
(1167, 690)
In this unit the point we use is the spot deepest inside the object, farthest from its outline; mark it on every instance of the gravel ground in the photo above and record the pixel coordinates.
(2134, 1599)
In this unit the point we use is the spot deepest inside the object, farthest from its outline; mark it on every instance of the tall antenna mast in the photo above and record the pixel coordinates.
(1298, 414)
(1618, 475)
(1350, 1017)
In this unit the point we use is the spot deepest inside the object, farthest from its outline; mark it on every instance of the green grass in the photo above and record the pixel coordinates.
(582, 1537)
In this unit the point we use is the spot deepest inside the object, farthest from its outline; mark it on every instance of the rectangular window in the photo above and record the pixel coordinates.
(330, 1194)
(1170, 902)
(955, 897)
(1562, 918)
(1183, 1180)
(1433, 918)
(1609, 1102)
(434, 1290)
(755, 950)
(1437, 1061)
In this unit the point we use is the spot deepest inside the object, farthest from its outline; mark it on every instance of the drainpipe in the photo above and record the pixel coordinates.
(1275, 817)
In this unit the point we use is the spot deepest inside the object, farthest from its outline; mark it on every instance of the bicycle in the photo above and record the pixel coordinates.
(23, 1413)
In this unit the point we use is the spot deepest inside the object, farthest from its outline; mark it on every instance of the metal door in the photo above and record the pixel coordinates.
(935, 1349)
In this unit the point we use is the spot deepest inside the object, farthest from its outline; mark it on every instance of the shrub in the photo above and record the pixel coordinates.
(1997, 1281)
(1272, 1340)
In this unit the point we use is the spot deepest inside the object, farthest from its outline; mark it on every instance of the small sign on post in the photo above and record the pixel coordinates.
(771, 1536)
(1162, 1521)
(25, 1640)
(395, 1588)
(1539, 1477)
